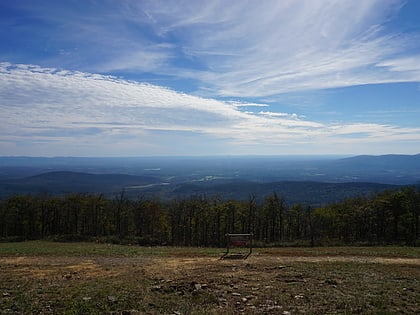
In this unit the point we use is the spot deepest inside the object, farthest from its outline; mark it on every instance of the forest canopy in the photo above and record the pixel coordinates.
(389, 217)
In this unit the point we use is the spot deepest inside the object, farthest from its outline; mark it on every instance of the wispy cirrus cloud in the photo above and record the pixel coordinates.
(54, 110)
(235, 49)
(257, 49)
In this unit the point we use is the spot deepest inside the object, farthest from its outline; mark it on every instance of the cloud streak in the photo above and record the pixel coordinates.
(54, 110)
(240, 49)
(257, 49)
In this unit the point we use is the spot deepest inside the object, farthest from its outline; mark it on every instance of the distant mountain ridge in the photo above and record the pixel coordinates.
(313, 179)
(384, 160)
(390, 168)
(306, 192)
(59, 182)
(63, 182)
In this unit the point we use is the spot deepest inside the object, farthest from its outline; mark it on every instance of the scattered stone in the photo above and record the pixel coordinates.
(6, 294)
(112, 299)
(86, 298)
(286, 313)
(176, 313)
(236, 294)
(273, 307)
(244, 299)
(156, 288)
(299, 296)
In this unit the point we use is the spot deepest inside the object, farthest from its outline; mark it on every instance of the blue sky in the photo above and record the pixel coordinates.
(134, 78)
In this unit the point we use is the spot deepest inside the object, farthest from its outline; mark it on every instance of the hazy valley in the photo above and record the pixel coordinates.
(299, 179)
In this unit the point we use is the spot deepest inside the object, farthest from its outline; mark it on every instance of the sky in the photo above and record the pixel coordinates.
(193, 78)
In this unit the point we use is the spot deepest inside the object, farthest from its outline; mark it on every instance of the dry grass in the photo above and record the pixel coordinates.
(275, 281)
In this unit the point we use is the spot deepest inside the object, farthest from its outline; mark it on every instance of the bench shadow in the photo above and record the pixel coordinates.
(234, 256)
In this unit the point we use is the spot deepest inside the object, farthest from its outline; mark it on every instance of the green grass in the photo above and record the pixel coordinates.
(46, 248)
(35, 248)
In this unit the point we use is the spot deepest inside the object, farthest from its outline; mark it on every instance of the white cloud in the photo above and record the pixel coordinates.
(408, 64)
(269, 47)
(236, 49)
(246, 104)
(57, 110)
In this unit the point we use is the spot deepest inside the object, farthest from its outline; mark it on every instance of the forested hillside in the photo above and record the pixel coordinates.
(389, 217)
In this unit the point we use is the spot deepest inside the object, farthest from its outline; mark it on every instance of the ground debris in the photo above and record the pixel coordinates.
(274, 267)
(331, 282)
(264, 284)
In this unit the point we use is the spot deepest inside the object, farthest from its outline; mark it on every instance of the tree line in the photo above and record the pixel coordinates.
(389, 217)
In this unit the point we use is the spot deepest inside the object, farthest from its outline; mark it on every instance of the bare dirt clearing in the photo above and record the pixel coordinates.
(263, 284)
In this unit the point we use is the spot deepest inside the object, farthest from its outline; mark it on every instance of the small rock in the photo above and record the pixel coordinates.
(299, 296)
(86, 298)
(244, 299)
(156, 288)
(236, 294)
(176, 313)
(6, 294)
(286, 313)
(112, 299)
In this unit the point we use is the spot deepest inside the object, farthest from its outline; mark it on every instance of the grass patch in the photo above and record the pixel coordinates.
(345, 251)
(36, 248)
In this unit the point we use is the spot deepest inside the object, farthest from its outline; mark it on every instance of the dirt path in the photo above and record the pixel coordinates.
(42, 265)
(173, 262)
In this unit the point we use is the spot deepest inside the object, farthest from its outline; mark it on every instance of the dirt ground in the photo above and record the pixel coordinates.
(261, 284)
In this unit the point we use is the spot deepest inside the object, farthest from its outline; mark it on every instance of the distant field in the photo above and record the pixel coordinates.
(88, 278)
